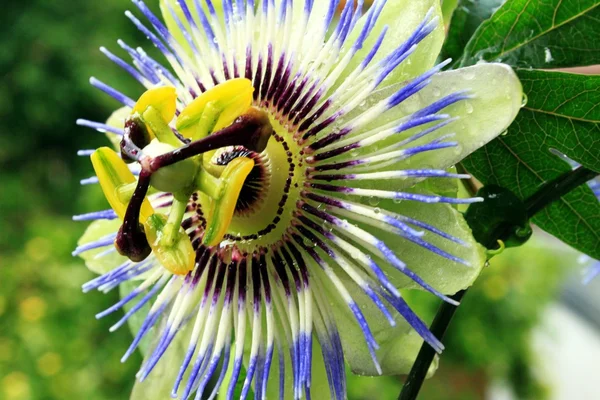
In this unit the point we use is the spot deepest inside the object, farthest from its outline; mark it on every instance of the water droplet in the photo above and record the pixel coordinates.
(469, 76)
(548, 55)
(524, 100)
(504, 133)
(469, 107)
(436, 91)
(374, 201)
(377, 210)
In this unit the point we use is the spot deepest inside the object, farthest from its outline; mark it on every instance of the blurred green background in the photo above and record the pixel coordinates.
(51, 346)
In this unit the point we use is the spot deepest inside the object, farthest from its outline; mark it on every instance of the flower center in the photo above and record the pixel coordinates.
(268, 197)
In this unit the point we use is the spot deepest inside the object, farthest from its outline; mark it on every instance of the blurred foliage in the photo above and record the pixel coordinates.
(51, 347)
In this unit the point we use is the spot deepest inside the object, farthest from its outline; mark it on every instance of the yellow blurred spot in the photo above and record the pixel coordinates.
(38, 249)
(16, 386)
(49, 364)
(495, 287)
(32, 308)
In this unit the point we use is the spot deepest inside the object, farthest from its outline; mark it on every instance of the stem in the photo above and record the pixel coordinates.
(252, 131)
(546, 195)
(557, 188)
(439, 326)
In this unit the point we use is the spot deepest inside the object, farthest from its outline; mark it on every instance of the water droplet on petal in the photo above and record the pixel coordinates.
(469, 108)
(374, 201)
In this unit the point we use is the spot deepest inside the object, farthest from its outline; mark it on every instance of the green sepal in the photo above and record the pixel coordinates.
(502, 215)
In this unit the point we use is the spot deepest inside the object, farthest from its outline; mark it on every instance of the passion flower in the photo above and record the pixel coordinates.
(294, 174)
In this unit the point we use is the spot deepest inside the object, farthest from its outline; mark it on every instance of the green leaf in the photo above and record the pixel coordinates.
(562, 109)
(562, 113)
(539, 34)
(466, 18)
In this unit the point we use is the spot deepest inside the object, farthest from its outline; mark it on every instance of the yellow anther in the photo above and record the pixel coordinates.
(114, 177)
(223, 207)
(222, 104)
(178, 258)
(164, 99)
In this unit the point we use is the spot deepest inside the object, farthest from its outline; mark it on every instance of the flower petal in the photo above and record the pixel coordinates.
(167, 5)
(319, 385)
(398, 345)
(446, 275)
(495, 97)
(97, 259)
(402, 17)
(455, 114)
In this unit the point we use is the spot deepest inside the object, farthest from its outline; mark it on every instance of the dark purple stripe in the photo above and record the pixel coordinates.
(248, 73)
(222, 267)
(282, 85)
(338, 166)
(313, 131)
(302, 103)
(258, 78)
(332, 137)
(324, 200)
(301, 265)
(256, 281)
(209, 280)
(332, 177)
(243, 281)
(336, 152)
(306, 124)
(265, 278)
(290, 264)
(281, 274)
(276, 78)
(330, 188)
(231, 273)
(291, 99)
(268, 72)
(225, 67)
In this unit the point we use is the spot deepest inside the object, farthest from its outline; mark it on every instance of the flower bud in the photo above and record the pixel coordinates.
(137, 133)
(132, 244)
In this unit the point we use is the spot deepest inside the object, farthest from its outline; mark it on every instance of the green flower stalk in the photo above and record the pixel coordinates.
(277, 184)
